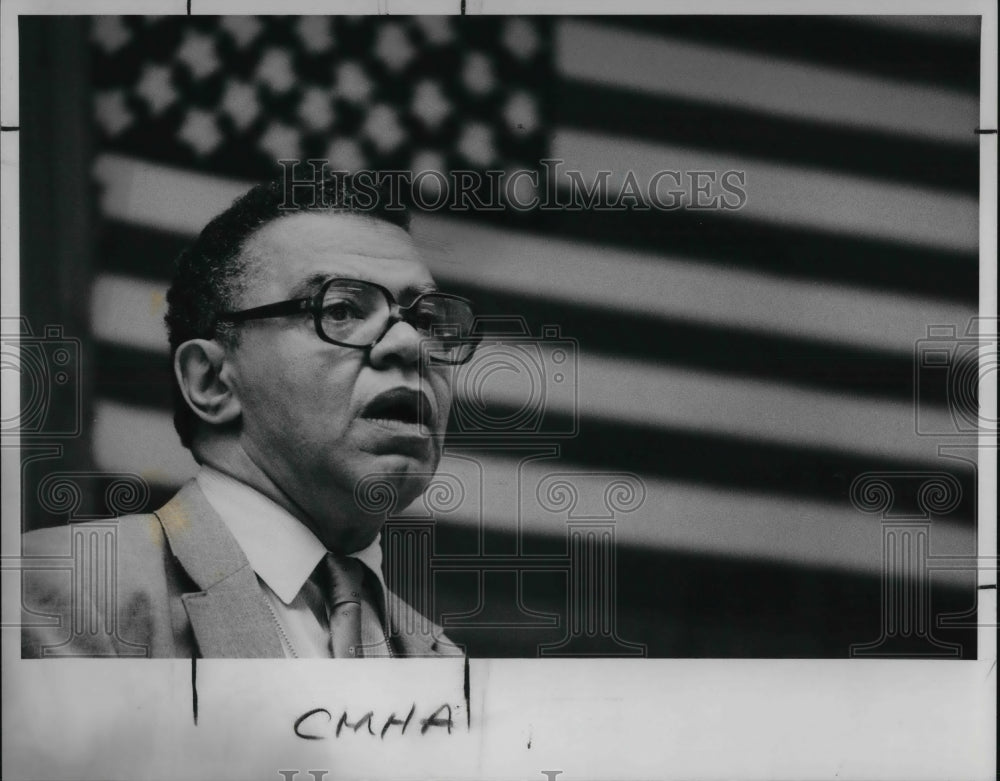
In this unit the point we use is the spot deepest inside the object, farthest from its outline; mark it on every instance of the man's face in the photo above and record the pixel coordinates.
(314, 416)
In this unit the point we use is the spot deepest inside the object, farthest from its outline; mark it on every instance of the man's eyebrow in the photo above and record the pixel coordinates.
(308, 286)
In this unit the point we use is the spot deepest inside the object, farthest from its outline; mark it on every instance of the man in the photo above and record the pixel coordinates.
(312, 353)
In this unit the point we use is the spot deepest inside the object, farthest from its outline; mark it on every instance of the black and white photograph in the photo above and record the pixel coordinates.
(489, 392)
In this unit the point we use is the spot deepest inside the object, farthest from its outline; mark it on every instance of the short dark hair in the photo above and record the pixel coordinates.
(210, 275)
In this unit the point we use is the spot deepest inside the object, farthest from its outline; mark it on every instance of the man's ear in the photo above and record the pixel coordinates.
(198, 366)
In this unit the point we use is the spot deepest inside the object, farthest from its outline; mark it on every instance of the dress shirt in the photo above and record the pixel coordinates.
(283, 553)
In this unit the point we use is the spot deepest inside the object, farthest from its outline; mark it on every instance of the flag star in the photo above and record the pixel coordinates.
(315, 33)
(316, 110)
(437, 29)
(344, 154)
(429, 104)
(275, 69)
(382, 127)
(156, 88)
(521, 113)
(110, 33)
(280, 141)
(520, 37)
(478, 74)
(392, 46)
(112, 113)
(198, 53)
(243, 29)
(426, 160)
(476, 144)
(200, 132)
(352, 83)
(240, 103)
(428, 187)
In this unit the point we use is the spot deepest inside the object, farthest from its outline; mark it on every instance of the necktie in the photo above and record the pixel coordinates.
(345, 606)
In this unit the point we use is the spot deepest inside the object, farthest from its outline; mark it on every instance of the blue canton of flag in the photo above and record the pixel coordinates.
(233, 95)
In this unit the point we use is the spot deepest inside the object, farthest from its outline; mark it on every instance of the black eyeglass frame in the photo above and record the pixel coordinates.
(314, 306)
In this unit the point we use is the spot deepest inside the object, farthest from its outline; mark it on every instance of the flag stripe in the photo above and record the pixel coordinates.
(687, 605)
(929, 33)
(157, 196)
(144, 194)
(785, 195)
(662, 64)
(938, 50)
(683, 516)
(670, 285)
(757, 134)
(726, 241)
(129, 311)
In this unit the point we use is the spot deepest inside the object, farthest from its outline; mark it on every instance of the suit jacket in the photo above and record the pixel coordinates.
(170, 584)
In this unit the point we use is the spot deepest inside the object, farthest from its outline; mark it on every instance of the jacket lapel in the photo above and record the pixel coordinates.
(229, 616)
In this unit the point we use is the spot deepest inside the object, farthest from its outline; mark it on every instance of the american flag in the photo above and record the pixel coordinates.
(745, 365)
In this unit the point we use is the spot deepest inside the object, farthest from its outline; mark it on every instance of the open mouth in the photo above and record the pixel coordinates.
(400, 407)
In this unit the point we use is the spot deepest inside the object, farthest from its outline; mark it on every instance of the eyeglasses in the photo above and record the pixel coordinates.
(356, 313)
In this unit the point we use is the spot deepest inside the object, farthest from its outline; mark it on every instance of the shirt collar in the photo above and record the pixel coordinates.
(279, 547)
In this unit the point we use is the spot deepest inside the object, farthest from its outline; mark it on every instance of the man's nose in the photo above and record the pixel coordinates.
(399, 345)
